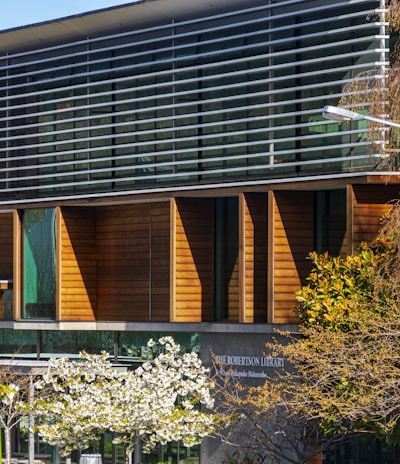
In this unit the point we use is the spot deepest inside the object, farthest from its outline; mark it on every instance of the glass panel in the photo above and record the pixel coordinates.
(226, 259)
(174, 452)
(222, 98)
(362, 450)
(71, 342)
(133, 345)
(6, 304)
(330, 221)
(23, 342)
(39, 263)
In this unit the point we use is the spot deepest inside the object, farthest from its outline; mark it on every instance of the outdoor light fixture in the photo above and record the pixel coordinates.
(336, 113)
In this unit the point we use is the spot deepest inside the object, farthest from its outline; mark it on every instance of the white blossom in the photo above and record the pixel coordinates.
(158, 402)
(8, 393)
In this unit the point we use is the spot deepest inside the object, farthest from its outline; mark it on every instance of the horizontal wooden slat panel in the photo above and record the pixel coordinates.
(293, 241)
(78, 264)
(123, 214)
(6, 240)
(125, 300)
(83, 271)
(160, 261)
(74, 285)
(187, 305)
(369, 203)
(133, 248)
(194, 279)
(189, 296)
(378, 194)
(281, 231)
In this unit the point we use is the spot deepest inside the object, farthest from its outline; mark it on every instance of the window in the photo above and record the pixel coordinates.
(39, 263)
(227, 259)
(330, 221)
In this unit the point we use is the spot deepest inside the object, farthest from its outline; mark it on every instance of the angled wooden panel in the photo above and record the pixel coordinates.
(293, 239)
(6, 241)
(369, 203)
(317, 459)
(254, 253)
(133, 262)
(17, 259)
(194, 279)
(6, 264)
(123, 247)
(77, 298)
(160, 261)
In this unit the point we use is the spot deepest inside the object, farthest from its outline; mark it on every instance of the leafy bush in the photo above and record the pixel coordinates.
(344, 289)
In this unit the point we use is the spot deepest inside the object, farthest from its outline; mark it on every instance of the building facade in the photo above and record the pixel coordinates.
(165, 169)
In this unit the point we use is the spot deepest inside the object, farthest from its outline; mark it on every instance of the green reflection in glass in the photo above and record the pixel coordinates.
(39, 263)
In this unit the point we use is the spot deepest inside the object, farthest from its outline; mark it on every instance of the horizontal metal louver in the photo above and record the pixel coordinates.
(188, 104)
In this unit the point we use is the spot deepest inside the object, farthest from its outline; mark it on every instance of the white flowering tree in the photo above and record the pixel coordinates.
(74, 410)
(9, 413)
(158, 402)
(15, 395)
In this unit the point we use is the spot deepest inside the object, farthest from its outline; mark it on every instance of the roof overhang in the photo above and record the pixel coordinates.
(141, 13)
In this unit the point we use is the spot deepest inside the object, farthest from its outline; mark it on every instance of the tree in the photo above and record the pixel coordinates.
(162, 399)
(75, 409)
(350, 380)
(267, 425)
(345, 359)
(377, 91)
(348, 355)
(158, 402)
(343, 290)
(16, 389)
(345, 376)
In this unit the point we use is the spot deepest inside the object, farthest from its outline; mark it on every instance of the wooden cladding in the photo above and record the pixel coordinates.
(235, 259)
(115, 263)
(194, 260)
(160, 261)
(254, 256)
(78, 264)
(293, 239)
(368, 204)
(6, 241)
(133, 262)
